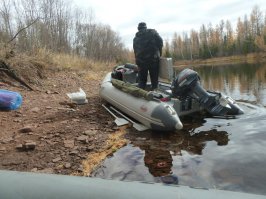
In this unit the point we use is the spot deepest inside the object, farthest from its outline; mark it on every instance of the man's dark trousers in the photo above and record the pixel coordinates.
(153, 69)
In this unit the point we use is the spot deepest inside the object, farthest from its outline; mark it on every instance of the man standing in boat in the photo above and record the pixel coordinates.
(147, 45)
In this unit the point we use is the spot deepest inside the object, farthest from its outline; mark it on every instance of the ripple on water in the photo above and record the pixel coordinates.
(252, 112)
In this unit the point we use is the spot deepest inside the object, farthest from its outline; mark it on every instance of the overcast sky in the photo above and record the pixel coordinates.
(167, 16)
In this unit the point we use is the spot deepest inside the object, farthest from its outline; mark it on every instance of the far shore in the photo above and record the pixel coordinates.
(249, 58)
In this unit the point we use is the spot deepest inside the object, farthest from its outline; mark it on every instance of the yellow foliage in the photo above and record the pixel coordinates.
(114, 142)
(68, 61)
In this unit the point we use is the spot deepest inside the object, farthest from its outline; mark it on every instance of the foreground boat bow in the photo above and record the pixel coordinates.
(14, 185)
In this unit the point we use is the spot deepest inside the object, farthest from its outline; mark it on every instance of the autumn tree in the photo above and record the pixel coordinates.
(195, 43)
(229, 41)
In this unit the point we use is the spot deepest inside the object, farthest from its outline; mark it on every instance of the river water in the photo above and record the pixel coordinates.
(220, 153)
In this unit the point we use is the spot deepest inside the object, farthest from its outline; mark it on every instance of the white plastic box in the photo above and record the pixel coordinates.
(78, 97)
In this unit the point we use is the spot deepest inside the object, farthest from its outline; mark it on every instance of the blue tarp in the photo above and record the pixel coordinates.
(10, 100)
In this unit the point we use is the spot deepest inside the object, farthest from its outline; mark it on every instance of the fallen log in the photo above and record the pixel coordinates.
(11, 73)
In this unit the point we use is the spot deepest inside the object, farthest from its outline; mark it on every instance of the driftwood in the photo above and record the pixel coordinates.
(7, 70)
(14, 37)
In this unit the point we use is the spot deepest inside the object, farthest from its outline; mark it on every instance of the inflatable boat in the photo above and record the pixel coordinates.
(162, 109)
(27, 185)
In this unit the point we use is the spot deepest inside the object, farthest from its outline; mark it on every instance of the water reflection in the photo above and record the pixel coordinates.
(159, 148)
(151, 155)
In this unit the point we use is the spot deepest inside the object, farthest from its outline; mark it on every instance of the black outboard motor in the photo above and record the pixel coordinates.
(187, 84)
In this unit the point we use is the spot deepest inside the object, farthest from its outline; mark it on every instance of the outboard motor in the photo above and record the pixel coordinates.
(187, 84)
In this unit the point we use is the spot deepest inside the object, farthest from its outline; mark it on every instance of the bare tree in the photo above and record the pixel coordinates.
(5, 15)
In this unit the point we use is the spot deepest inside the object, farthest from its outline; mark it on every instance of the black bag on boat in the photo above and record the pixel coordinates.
(117, 73)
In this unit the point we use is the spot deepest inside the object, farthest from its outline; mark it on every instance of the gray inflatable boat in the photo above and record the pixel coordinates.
(164, 108)
(26, 185)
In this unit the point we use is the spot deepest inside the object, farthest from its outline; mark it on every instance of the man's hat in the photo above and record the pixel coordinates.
(142, 25)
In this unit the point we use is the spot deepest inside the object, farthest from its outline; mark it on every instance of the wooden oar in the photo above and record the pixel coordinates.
(137, 126)
(118, 120)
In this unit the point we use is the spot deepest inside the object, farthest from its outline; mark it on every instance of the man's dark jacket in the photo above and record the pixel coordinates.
(147, 46)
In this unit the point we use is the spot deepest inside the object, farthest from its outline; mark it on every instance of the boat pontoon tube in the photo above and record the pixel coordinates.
(26, 185)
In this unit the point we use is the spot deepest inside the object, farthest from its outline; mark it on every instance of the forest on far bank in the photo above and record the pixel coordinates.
(59, 27)
(221, 40)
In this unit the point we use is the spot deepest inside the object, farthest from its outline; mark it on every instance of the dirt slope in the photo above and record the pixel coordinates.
(50, 134)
